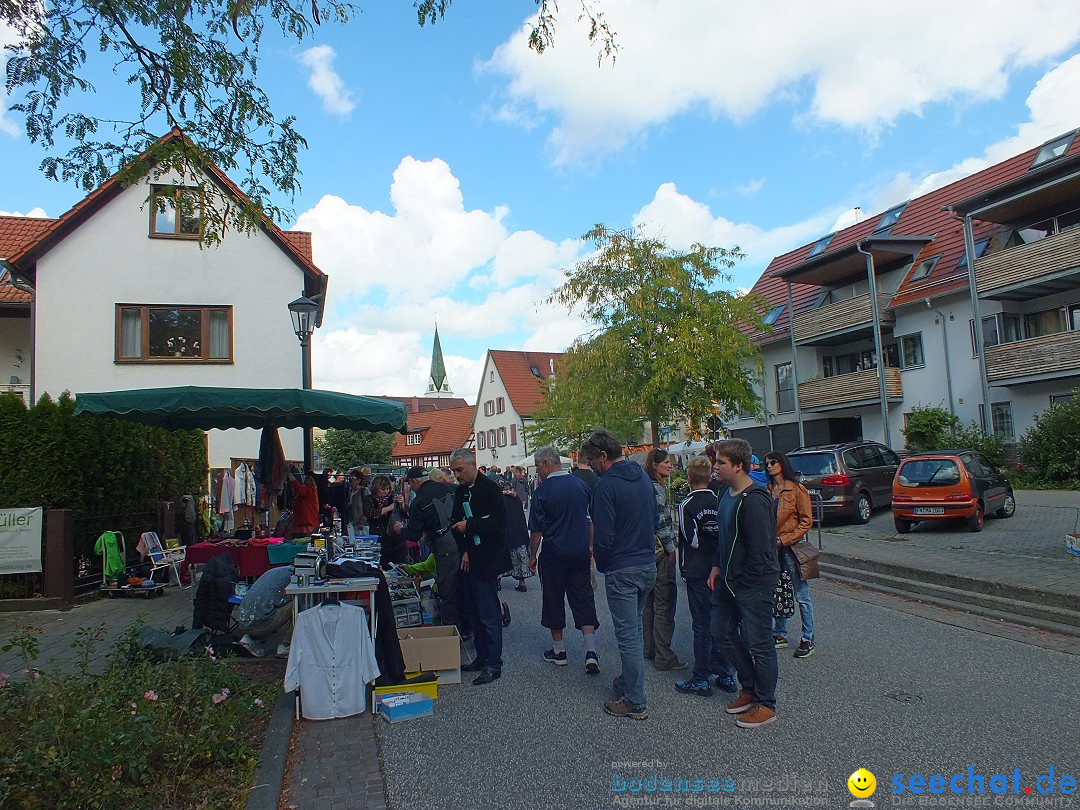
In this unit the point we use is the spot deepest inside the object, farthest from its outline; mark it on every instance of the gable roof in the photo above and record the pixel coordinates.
(297, 247)
(524, 388)
(443, 430)
(925, 216)
(423, 404)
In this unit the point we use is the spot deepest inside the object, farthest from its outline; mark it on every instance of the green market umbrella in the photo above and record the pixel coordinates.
(195, 407)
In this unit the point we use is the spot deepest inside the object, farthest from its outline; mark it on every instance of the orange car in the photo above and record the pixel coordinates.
(949, 485)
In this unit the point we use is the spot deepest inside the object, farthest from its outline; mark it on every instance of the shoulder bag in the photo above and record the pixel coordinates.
(806, 557)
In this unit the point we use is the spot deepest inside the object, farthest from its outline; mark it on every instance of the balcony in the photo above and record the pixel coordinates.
(1043, 358)
(1021, 273)
(22, 390)
(848, 390)
(842, 322)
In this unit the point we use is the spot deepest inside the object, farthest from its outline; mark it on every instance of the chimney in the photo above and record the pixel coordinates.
(551, 365)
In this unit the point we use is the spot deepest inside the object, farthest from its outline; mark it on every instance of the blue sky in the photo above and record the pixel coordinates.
(451, 170)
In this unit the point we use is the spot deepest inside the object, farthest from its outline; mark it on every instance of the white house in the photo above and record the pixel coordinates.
(117, 294)
(890, 313)
(511, 391)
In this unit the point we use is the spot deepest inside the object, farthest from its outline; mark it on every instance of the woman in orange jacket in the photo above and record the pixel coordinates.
(794, 517)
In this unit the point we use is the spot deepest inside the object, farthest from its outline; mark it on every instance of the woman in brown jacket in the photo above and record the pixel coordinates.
(794, 517)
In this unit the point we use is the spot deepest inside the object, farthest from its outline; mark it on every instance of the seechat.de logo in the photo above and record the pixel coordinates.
(862, 785)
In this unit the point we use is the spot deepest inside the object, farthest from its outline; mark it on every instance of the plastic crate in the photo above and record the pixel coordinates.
(408, 615)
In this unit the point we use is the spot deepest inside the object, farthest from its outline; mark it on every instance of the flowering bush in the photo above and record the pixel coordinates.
(162, 732)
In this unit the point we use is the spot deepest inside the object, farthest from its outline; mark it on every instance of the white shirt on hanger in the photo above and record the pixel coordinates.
(331, 658)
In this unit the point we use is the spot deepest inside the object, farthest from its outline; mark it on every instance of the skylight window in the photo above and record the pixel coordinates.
(980, 249)
(774, 315)
(925, 268)
(888, 219)
(1052, 150)
(821, 245)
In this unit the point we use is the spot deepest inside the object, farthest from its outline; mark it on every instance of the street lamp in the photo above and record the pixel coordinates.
(303, 312)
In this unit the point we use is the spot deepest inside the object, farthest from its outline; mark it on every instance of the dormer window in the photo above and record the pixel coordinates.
(980, 249)
(889, 219)
(414, 438)
(1052, 150)
(773, 315)
(925, 268)
(821, 245)
(175, 211)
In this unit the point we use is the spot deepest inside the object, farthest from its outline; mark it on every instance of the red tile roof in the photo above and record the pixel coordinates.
(443, 431)
(522, 386)
(297, 246)
(18, 233)
(923, 216)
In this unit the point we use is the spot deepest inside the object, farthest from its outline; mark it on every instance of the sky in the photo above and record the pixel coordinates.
(451, 171)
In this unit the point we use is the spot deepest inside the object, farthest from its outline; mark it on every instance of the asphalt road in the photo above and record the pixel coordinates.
(896, 693)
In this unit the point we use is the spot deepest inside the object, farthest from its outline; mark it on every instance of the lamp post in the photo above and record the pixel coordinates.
(303, 312)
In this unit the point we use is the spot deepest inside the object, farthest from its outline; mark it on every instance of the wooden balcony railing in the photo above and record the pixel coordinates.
(842, 316)
(1037, 356)
(841, 389)
(1028, 263)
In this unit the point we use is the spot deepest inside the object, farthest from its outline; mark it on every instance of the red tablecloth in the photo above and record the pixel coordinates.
(251, 560)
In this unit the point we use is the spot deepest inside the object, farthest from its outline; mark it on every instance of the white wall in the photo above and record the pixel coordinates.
(110, 259)
(491, 390)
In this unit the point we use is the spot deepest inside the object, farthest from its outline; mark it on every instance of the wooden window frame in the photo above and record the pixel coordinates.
(501, 437)
(144, 319)
(174, 192)
(500, 404)
(414, 439)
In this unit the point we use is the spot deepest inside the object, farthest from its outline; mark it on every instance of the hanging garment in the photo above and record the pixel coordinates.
(244, 489)
(331, 658)
(114, 564)
(226, 505)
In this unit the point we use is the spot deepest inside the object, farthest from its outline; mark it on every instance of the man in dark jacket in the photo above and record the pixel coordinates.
(743, 579)
(429, 520)
(479, 524)
(624, 531)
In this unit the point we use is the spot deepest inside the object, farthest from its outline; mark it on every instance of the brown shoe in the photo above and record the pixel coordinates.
(757, 716)
(741, 703)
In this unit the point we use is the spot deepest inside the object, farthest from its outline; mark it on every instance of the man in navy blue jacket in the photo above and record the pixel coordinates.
(624, 537)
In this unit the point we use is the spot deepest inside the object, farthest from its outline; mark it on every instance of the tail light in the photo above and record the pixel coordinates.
(902, 498)
(957, 497)
(835, 481)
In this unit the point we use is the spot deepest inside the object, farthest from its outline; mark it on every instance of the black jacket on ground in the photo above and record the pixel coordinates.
(488, 522)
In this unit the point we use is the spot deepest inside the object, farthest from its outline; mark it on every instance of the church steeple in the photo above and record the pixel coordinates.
(438, 385)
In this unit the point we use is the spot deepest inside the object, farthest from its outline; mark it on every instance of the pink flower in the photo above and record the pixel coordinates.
(33, 673)
(258, 701)
(151, 695)
(220, 697)
(3, 679)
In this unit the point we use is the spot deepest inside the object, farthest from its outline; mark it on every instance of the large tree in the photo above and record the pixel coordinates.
(670, 344)
(344, 449)
(194, 65)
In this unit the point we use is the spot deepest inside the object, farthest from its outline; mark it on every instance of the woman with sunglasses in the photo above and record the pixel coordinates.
(794, 517)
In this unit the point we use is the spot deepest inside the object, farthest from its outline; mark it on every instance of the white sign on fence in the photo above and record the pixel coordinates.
(20, 540)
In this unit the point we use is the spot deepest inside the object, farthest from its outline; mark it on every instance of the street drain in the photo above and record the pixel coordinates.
(904, 697)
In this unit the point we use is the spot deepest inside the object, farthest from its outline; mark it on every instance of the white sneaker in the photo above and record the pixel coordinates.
(282, 650)
(252, 646)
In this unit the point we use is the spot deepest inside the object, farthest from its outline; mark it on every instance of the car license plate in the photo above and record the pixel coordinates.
(929, 510)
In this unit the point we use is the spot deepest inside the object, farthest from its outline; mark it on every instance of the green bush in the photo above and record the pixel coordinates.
(929, 428)
(990, 447)
(183, 734)
(678, 486)
(51, 458)
(1050, 448)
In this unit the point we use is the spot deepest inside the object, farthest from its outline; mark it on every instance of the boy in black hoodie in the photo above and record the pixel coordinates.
(743, 578)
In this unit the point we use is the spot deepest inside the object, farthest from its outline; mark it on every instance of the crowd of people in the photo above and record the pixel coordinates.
(728, 540)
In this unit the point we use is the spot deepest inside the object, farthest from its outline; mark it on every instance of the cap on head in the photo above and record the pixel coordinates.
(755, 460)
(417, 474)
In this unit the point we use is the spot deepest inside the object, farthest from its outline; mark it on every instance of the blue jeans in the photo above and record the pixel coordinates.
(488, 629)
(802, 597)
(700, 598)
(626, 592)
(745, 621)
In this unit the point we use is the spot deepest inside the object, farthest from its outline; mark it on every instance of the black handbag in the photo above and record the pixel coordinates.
(784, 597)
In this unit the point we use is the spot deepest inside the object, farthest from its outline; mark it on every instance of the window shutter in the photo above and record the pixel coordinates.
(513, 434)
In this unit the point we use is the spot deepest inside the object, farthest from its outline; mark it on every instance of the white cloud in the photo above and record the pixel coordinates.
(834, 62)
(393, 275)
(337, 99)
(751, 187)
(682, 221)
(33, 212)
(1052, 104)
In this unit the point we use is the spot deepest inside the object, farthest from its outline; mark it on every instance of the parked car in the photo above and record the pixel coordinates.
(852, 479)
(949, 485)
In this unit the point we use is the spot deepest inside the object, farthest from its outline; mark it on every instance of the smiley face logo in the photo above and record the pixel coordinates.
(861, 783)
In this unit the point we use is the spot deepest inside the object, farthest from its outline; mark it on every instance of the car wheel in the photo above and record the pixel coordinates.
(863, 508)
(902, 526)
(975, 522)
(1008, 507)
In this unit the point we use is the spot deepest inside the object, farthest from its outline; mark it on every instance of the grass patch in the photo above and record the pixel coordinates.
(145, 733)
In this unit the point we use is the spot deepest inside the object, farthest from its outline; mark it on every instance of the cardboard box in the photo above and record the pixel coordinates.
(400, 706)
(431, 649)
